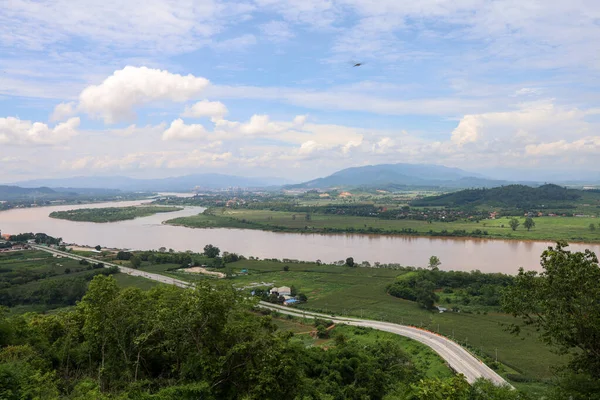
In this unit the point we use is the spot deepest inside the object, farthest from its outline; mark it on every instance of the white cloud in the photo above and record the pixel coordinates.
(180, 131)
(589, 145)
(20, 132)
(62, 111)
(134, 130)
(205, 108)
(277, 31)
(257, 126)
(115, 99)
(239, 43)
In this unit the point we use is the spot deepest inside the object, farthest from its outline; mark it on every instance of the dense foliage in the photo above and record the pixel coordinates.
(169, 343)
(563, 304)
(40, 238)
(110, 214)
(511, 196)
(426, 287)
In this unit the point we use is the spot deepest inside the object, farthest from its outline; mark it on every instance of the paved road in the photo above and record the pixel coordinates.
(457, 357)
(125, 270)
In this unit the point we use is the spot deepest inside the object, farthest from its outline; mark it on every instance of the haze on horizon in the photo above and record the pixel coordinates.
(267, 87)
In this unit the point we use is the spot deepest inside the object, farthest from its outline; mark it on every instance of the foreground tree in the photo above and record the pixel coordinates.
(592, 227)
(529, 223)
(563, 304)
(514, 224)
(350, 262)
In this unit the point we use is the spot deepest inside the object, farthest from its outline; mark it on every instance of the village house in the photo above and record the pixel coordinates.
(281, 291)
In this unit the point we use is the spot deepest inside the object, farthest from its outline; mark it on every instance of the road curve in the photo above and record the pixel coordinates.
(459, 359)
(456, 356)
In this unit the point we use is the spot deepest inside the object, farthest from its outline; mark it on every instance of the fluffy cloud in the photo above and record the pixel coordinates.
(205, 108)
(180, 131)
(62, 111)
(115, 99)
(19, 132)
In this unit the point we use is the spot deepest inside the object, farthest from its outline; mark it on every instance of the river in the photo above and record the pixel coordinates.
(149, 233)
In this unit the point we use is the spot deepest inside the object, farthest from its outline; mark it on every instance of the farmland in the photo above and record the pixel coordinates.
(361, 292)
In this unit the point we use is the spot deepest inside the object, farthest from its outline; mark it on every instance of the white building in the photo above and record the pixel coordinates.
(281, 291)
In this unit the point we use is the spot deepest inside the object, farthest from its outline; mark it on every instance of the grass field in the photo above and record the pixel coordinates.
(362, 292)
(547, 228)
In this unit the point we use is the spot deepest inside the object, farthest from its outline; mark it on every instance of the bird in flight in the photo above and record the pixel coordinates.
(358, 64)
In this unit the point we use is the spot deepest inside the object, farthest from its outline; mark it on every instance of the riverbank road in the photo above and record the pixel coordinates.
(458, 358)
(125, 270)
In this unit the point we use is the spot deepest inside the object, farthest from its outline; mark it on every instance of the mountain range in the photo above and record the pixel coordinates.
(181, 183)
(398, 175)
(382, 176)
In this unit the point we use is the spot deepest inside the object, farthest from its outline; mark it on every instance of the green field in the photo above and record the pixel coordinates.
(111, 214)
(32, 280)
(362, 292)
(575, 229)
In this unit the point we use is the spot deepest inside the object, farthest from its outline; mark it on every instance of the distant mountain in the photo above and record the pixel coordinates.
(180, 183)
(15, 192)
(384, 175)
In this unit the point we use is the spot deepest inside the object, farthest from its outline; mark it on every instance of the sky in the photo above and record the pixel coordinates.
(268, 88)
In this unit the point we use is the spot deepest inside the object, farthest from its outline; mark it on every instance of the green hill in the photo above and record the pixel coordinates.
(511, 196)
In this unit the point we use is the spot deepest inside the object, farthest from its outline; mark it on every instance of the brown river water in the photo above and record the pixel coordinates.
(149, 233)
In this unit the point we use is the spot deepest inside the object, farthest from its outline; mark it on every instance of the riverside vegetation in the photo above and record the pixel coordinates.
(124, 330)
(111, 214)
(519, 212)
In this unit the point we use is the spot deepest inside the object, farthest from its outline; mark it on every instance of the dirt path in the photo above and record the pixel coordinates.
(201, 270)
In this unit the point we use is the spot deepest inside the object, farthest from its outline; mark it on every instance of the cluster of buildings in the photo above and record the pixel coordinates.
(286, 292)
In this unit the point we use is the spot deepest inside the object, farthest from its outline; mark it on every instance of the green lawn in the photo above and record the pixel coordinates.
(362, 292)
(547, 228)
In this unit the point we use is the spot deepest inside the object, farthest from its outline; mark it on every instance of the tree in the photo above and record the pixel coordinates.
(562, 304)
(434, 263)
(592, 227)
(302, 297)
(350, 262)
(529, 223)
(67, 270)
(98, 247)
(425, 294)
(135, 262)
(307, 217)
(162, 249)
(293, 291)
(286, 268)
(514, 224)
(211, 251)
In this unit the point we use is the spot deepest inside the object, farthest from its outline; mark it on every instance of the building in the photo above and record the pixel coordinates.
(281, 291)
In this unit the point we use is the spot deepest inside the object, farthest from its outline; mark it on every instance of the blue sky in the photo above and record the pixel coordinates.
(267, 87)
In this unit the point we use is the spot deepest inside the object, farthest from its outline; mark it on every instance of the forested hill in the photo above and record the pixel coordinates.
(514, 196)
(16, 192)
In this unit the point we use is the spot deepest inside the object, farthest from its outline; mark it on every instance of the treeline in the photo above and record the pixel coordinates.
(169, 343)
(40, 238)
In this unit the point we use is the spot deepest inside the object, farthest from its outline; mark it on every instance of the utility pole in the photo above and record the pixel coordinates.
(496, 354)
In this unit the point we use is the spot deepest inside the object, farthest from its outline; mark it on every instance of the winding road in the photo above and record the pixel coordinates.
(458, 358)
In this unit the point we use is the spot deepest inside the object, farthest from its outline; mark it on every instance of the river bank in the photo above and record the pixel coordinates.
(546, 229)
